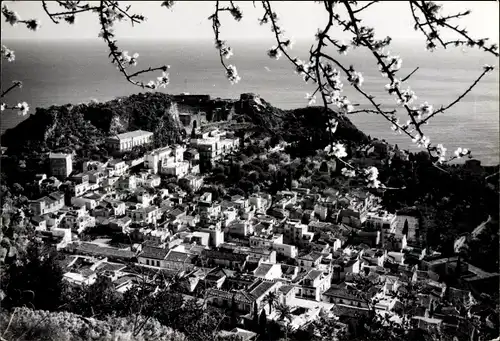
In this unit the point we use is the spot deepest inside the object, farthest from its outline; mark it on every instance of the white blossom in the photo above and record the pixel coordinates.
(310, 98)
(7, 53)
(371, 173)
(441, 151)
(33, 24)
(152, 85)
(488, 68)
(133, 60)
(407, 97)
(167, 4)
(163, 80)
(461, 152)
(10, 16)
(348, 172)
(421, 141)
(288, 44)
(356, 78)
(426, 109)
(372, 177)
(395, 63)
(343, 48)
(2, 107)
(232, 74)
(374, 184)
(226, 51)
(345, 105)
(333, 124)
(337, 150)
(301, 68)
(274, 53)
(23, 108)
(124, 57)
(395, 84)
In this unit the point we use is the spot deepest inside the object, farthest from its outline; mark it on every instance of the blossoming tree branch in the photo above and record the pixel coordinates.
(322, 68)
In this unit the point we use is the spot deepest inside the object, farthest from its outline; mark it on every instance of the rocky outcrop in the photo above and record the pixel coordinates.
(68, 127)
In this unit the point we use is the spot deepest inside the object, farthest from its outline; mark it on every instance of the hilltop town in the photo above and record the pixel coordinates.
(294, 254)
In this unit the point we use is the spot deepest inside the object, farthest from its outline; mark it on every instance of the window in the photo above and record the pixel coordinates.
(147, 261)
(157, 263)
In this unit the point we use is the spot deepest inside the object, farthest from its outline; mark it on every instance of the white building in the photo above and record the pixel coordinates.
(154, 159)
(78, 221)
(287, 250)
(266, 241)
(128, 140)
(213, 145)
(116, 167)
(61, 165)
(48, 204)
(178, 169)
(216, 235)
(148, 215)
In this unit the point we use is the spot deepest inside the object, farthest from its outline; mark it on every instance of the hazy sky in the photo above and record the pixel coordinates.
(188, 19)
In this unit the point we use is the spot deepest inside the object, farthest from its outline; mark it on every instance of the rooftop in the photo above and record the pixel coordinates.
(263, 269)
(260, 288)
(58, 155)
(132, 134)
(176, 256)
(154, 252)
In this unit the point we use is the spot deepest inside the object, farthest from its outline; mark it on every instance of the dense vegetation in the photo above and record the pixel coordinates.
(450, 202)
(305, 127)
(25, 324)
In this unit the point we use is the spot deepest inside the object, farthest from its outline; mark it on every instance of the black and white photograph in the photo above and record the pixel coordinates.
(249, 171)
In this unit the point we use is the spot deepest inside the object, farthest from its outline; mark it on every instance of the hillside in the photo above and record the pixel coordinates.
(84, 126)
(307, 123)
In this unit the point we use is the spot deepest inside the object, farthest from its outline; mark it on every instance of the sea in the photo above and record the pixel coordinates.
(79, 71)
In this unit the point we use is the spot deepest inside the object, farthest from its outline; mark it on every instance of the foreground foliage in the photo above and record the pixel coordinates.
(25, 324)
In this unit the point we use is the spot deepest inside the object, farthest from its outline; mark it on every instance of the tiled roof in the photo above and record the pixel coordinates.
(176, 256)
(132, 134)
(285, 289)
(239, 296)
(313, 256)
(288, 269)
(260, 288)
(153, 252)
(38, 219)
(341, 291)
(262, 270)
(106, 266)
(224, 255)
(102, 251)
(243, 334)
(176, 212)
(216, 274)
(313, 274)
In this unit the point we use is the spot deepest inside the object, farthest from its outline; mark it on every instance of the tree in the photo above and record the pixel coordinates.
(271, 299)
(234, 320)
(263, 322)
(35, 281)
(284, 314)
(99, 299)
(255, 317)
(405, 228)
